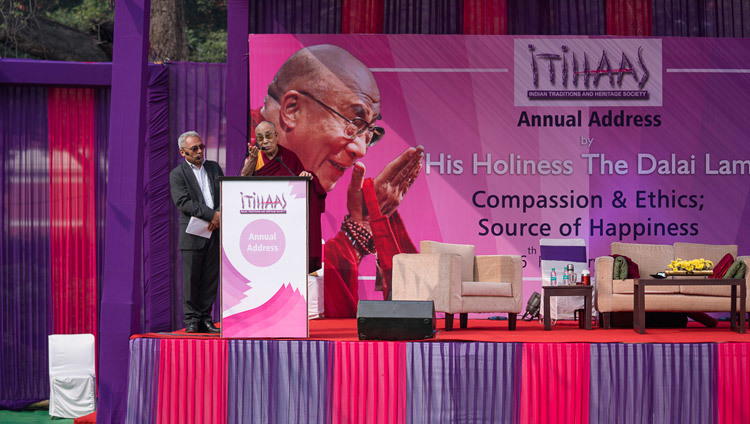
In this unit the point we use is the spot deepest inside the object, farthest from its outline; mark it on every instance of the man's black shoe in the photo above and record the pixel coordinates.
(207, 326)
(192, 327)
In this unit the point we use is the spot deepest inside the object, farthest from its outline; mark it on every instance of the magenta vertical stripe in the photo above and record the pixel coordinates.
(733, 401)
(369, 382)
(192, 381)
(555, 383)
(71, 122)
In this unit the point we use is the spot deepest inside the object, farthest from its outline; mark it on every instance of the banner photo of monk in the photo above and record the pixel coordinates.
(502, 141)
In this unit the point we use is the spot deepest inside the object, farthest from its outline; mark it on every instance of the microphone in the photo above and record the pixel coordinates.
(247, 152)
(277, 158)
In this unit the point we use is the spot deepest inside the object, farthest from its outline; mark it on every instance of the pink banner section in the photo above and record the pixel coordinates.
(733, 381)
(555, 383)
(369, 383)
(192, 382)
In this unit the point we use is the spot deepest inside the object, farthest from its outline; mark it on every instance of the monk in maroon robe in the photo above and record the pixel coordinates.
(268, 158)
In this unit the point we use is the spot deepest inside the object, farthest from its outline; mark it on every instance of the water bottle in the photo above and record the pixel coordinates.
(553, 277)
(566, 278)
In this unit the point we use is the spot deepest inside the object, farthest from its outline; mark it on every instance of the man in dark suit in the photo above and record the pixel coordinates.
(195, 192)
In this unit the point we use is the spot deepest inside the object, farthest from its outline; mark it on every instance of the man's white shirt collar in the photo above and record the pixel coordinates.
(202, 177)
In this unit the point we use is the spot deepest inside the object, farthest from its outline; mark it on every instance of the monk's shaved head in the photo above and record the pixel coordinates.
(314, 69)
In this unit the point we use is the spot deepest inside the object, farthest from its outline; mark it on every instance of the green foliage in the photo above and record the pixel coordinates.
(205, 23)
(87, 16)
(206, 29)
(207, 47)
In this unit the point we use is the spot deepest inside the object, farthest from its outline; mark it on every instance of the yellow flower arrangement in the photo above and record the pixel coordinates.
(692, 265)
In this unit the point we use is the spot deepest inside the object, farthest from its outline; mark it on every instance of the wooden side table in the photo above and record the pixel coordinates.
(639, 298)
(585, 291)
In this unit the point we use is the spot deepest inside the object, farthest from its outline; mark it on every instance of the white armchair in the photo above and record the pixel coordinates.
(458, 282)
(72, 375)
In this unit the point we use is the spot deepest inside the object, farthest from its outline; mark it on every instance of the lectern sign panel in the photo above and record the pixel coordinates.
(264, 257)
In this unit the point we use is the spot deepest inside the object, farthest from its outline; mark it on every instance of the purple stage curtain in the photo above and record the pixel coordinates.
(579, 17)
(157, 275)
(463, 382)
(197, 93)
(279, 381)
(423, 17)
(656, 383)
(295, 17)
(556, 17)
(25, 303)
(143, 381)
(701, 18)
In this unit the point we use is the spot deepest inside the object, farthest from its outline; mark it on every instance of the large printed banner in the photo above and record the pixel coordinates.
(604, 139)
(264, 257)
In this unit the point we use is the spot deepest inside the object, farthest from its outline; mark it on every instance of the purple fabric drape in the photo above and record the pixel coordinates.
(579, 17)
(295, 17)
(556, 17)
(275, 381)
(143, 381)
(156, 206)
(702, 18)
(120, 313)
(656, 383)
(463, 382)
(530, 17)
(197, 93)
(423, 17)
(25, 309)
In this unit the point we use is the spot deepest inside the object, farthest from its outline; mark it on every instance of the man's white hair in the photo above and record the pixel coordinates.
(182, 139)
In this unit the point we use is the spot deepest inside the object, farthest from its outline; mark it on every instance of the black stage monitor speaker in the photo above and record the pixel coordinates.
(395, 320)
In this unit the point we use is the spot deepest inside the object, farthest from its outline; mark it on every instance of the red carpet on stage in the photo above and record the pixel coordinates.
(345, 329)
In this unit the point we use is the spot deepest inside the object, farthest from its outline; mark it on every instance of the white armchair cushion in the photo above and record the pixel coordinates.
(483, 288)
(428, 276)
(465, 251)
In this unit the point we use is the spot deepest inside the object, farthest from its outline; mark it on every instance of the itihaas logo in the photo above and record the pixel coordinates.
(603, 67)
(587, 72)
(262, 203)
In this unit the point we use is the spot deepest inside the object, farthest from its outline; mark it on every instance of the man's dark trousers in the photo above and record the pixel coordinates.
(200, 280)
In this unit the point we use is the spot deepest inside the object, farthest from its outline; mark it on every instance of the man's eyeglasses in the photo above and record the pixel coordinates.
(196, 148)
(357, 126)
